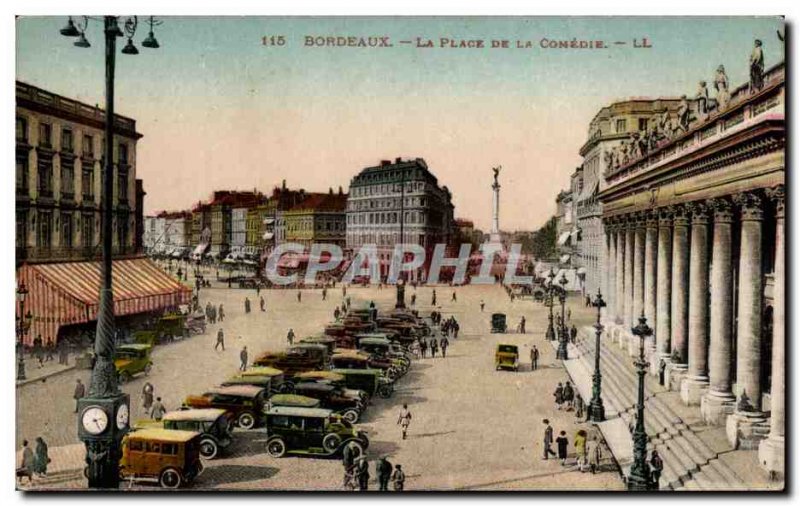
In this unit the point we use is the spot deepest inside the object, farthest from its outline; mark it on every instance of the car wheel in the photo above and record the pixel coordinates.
(286, 388)
(276, 448)
(351, 415)
(124, 377)
(246, 420)
(385, 391)
(358, 448)
(148, 368)
(208, 448)
(331, 442)
(170, 478)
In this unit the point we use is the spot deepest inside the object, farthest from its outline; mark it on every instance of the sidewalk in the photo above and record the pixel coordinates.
(34, 373)
(64, 471)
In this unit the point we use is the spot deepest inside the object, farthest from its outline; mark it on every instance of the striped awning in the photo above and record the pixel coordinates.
(68, 293)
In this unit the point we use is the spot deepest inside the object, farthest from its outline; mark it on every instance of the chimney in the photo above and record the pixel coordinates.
(384, 163)
(397, 160)
(283, 184)
(330, 190)
(340, 190)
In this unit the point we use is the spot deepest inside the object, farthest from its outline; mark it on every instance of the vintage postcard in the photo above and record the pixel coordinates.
(394, 254)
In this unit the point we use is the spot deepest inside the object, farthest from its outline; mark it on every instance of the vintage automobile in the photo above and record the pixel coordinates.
(310, 431)
(293, 361)
(170, 458)
(213, 425)
(334, 398)
(132, 359)
(244, 403)
(498, 323)
(332, 378)
(278, 383)
(353, 359)
(318, 351)
(377, 344)
(506, 357)
(263, 382)
(294, 400)
(327, 341)
(371, 381)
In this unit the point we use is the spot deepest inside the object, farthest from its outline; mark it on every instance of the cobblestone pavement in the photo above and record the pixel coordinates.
(473, 428)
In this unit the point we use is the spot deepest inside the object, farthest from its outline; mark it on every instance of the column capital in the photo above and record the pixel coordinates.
(778, 196)
(638, 219)
(751, 205)
(680, 215)
(700, 212)
(651, 218)
(665, 217)
(723, 210)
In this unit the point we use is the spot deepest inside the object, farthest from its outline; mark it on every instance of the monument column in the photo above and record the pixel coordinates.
(650, 262)
(695, 384)
(748, 424)
(680, 298)
(718, 402)
(771, 451)
(663, 291)
(494, 236)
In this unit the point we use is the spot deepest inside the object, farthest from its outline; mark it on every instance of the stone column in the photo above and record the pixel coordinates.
(771, 451)
(629, 268)
(611, 272)
(619, 278)
(719, 401)
(747, 425)
(650, 262)
(695, 384)
(680, 298)
(638, 281)
(663, 290)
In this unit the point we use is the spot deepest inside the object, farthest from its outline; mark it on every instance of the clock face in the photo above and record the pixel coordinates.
(95, 420)
(122, 416)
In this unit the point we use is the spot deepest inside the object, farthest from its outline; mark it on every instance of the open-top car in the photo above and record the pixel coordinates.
(170, 458)
(333, 397)
(244, 403)
(506, 357)
(310, 431)
(132, 359)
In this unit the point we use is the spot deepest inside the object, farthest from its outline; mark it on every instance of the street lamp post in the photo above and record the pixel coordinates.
(639, 477)
(563, 337)
(597, 412)
(103, 416)
(550, 334)
(23, 324)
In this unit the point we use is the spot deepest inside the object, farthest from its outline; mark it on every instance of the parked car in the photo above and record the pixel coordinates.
(498, 323)
(371, 381)
(245, 403)
(317, 350)
(170, 458)
(310, 431)
(132, 359)
(506, 357)
(327, 341)
(334, 398)
(214, 426)
(276, 377)
(294, 400)
(263, 382)
(331, 378)
(292, 362)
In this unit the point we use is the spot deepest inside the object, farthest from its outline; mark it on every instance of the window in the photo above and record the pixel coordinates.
(136, 446)
(642, 123)
(45, 177)
(621, 125)
(66, 140)
(153, 447)
(22, 129)
(123, 153)
(66, 230)
(88, 146)
(45, 229)
(67, 180)
(22, 228)
(87, 231)
(122, 185)
(87, 183)
(22, 174)
(45, 135)
(169, 449)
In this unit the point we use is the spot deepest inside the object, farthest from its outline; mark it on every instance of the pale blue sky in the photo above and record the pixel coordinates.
(214, 101)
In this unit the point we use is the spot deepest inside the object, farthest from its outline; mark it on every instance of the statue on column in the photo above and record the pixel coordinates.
(496, 171)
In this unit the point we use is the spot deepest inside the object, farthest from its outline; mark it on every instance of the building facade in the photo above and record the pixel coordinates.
(238, 231)
(694, 237)
(406, 194)
(320, 218)
(59, 160)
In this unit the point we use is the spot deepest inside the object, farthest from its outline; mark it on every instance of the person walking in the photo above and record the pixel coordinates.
(263, 304)
(573, 333)
(220, 340)
(434, 347)
(63, 353)
(453, 298)
(336, 313)
(656, 467)
(548, 440)
(444, 343)
(299, 296)
(290, 337)
(362, 473)
(79, 393)
(569, 396)
(398, 478)
(561, 443)
(559, 396)
(433, 297)
(423, 347)
(534, 358)
(147, 397)
(221, 314)
(51, 349)
(158, 411)
(384, 471)
(26, 467)
(579, 406)
(404, 420)
(522, 325)
(41, 458)
(247, 305)
(324, 293)
(482, 305)
(595, 454)
(456, 328)
(413, 299)
(580, 449)
(569, 314)
(243, 359)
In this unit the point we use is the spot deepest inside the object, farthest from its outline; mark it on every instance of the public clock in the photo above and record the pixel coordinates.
(94, 420)
(122, 416)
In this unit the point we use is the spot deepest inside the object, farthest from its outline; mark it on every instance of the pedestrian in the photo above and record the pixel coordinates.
(63, 353)
(456, 328)
(80, 392)
(423, 347)
(384, 472)
(324, 293)
(299, 296)
(568, 395)
(561, 443)
(482, 305)
(595, 454)
(220, 340)
(579, 406)
(580, 449)
(569, 314)
(573, 333)
(243, 359)
(656, 467)
(51, 348)
(433, 297)
(25, 469)
(336, 313)
(258, 289)
(534, 358)
(404, 420)
(548, 440)
(158, 411)
(413, 299)
(147, 397)
(41, 458)
(434, 347)
(444, 343)
(246, 305)
(522, 325)
(398, 478)
(290, 337)
(263, 304)
(362, 473)
(221, 314)
(559, 396)
(453, 299)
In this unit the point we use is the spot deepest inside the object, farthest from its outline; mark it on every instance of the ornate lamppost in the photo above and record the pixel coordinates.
(597, 412)
(563, 337)
(550, 334)
(103, 416)
(23, 324)
(639, 477)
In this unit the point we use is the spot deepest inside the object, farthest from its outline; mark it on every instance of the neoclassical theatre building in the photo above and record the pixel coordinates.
(695, 241)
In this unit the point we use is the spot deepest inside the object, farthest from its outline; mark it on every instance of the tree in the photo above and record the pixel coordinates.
(543, 242)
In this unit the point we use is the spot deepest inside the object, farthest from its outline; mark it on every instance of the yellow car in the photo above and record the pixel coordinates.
(506, 357)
